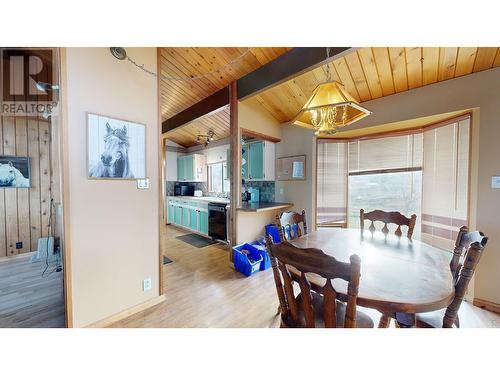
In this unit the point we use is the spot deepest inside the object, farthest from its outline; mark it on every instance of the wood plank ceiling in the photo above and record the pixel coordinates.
(218, 122)
(370, 73)
(212, 64)
(367, 73)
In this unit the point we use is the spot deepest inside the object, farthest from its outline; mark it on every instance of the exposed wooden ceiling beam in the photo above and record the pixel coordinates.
(204, 107)
(287, 66)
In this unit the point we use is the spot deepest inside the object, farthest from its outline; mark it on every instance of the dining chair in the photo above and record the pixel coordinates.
(307, 308)
(447, 318)
(432, 319)
(388, 218)
(289, 225)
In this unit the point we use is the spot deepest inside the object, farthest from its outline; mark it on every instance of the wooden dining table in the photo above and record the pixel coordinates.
(398, 275)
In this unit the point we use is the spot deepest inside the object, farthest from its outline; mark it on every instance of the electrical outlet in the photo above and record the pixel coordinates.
(495, 182)
(281, 191)
(146, 284)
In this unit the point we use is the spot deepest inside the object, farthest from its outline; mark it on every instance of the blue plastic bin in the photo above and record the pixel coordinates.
(261, 247)
(273, 231)
(247, 259)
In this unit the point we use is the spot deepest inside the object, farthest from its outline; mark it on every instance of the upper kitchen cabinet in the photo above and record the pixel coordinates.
(191, 168)
(258, 161)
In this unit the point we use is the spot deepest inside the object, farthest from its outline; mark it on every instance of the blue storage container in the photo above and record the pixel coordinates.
(261, 247)
(273, 231)
(247, 259)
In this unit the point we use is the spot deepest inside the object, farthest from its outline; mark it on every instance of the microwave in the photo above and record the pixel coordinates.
(184, 190)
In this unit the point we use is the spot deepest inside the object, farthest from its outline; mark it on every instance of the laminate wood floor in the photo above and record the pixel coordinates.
(202, 289)
(28, 300)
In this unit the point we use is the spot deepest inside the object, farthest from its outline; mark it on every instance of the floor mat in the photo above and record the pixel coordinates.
(167, 260)
(196, 240)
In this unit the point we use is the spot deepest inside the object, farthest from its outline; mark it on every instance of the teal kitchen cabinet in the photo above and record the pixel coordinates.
(188, 168)
(260, 157)
(193, 218)
(204, 222)
(185, 217)
(171, 211)
(256, 157)
(178, 215)
(192, 168)
(180, 168)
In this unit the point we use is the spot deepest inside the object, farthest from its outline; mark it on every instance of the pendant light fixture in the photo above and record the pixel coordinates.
(330, 107)
(205, 139)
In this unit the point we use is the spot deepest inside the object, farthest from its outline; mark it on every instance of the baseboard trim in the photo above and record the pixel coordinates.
(487, 305)
(106, 322)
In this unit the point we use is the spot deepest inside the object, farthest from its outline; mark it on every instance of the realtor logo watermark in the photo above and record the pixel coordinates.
(26, 80)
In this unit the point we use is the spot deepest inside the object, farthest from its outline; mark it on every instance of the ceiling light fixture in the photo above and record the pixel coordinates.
(205, 139)
(330, 107)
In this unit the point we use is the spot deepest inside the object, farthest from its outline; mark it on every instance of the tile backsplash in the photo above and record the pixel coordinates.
(266, 189)
(197, 186)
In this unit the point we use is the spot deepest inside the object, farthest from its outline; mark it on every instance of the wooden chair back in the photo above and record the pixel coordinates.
(463, 242)
(388, 218)
(289, 225)
(314, 261)
(464, 276)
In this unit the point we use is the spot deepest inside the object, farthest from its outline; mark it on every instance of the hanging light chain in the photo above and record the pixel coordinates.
(173, 78)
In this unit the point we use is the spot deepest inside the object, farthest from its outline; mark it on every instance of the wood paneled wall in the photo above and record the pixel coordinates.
(25, 212)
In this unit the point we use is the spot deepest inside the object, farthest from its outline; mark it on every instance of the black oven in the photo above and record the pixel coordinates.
(217, 217)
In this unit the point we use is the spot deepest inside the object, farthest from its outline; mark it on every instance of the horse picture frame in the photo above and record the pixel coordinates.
(15, 172)
(116, 149)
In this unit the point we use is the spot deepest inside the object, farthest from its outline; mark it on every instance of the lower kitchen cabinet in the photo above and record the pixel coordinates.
(204, 222)
(191, 215)
(185, 217)
(193, 219)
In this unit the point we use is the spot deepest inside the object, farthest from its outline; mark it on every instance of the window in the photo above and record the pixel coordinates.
(385, 174)
(218, 181)
(425, 173)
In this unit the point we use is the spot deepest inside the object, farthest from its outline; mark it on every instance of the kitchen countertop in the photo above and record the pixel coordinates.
(263, 206)
(203, 199)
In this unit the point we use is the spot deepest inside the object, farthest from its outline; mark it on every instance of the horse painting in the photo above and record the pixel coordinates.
(114, 160)
(10, 176)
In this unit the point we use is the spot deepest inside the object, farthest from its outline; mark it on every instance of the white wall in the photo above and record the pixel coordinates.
(296, 140)
(113, 239)
(480, 91)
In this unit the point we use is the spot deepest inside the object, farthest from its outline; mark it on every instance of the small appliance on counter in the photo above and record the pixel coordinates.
(254, 194)
(183, 190)
(246, 196)
(198, 193)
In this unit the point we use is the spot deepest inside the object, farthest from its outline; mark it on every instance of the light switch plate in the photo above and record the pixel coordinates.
(495, 182)
(146, 284)
(143, 183)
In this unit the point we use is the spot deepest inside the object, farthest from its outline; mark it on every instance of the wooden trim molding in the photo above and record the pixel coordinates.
(251, 133)
(487, 305)
(106, 322)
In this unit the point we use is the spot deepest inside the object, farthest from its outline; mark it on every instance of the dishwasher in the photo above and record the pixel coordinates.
(217, 221)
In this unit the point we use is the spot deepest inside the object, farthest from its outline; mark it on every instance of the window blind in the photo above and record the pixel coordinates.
(392, 152)
(445, 183)
(331, 182)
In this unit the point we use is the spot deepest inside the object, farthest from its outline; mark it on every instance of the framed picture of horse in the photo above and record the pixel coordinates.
(116, 149)
(15, 172)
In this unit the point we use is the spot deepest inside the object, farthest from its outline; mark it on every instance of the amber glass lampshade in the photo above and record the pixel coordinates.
(330, 107)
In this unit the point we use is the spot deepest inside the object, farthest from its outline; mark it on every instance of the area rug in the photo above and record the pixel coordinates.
(167, 260)
(196, 240)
